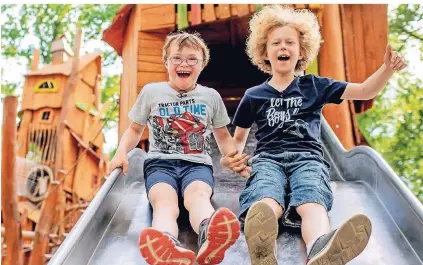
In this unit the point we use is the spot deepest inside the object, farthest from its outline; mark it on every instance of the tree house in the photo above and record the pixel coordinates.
(42, 104)
(355, 37)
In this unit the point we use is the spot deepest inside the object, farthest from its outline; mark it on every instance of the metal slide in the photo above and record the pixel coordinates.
(107, 232)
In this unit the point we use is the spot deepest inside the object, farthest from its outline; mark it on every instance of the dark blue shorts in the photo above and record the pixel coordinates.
(177, 173)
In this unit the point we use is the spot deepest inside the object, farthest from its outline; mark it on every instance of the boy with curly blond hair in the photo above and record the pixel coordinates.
(287, 109)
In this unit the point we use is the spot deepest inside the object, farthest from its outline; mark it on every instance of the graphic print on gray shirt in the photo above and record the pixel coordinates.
(180, 125)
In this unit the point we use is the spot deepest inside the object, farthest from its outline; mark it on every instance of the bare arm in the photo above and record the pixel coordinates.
(130, 137)
(224, 140)
(129, 141)
(240, 137)
(228, 147)
(393, 61)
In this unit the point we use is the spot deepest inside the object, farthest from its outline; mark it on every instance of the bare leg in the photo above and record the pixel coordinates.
(197, 202)
(164, 201)
(315, 221)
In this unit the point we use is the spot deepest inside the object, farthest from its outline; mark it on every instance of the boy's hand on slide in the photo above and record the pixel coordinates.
(119, 160)
(394, 60)
(236, 162)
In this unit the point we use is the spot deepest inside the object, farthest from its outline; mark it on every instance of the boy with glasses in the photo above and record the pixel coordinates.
(181, 116)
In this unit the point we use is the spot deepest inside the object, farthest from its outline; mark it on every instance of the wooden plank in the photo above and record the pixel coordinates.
(23, 133)
(151, 67)
(89, 74)
(182, 16)
(150, 47)
(35, 59)
(195, 14)
(365, 34)
(150, 6)
(242, 10)
(151, 36)
(300, 6)
(9, 201)
(43, 227)
(209, 14)
(149, 51)
(223, 11)
(151, 44)
(130, 51)
(144, 78)
(157, 17)
(150, 59)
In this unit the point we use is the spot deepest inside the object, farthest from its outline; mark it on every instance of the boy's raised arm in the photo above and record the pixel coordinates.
(393, 61)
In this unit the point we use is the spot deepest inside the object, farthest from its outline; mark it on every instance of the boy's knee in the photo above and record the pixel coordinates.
(276, 207)
(169, 207)
(308, 209)
(194, 193)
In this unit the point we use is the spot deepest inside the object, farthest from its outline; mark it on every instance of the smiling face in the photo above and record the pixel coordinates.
(283, 50)
(183, 66)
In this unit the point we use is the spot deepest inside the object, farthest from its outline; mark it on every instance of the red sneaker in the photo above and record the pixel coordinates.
(217, 234)
(158, 248)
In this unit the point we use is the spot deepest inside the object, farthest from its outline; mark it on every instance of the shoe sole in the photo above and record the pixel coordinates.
(223, 231)
(347, 242)
(158, 249)
(261, 231)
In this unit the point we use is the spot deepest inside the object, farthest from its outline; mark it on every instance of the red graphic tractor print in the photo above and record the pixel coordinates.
(189, 130)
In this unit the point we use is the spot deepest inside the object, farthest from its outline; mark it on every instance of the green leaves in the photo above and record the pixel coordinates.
(394, 126)
(26, 27)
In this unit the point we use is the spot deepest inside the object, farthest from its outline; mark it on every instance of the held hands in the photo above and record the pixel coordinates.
(119, 160)
(237, 163)
(394, 60)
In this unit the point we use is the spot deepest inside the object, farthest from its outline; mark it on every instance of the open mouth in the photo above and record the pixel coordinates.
(183, 74)
(283, 58)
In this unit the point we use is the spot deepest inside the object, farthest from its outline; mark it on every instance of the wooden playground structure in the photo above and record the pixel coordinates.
(355, 37)
(58, 150)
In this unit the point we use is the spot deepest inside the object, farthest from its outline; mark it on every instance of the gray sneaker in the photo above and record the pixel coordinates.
(261, 231)
(343, 244)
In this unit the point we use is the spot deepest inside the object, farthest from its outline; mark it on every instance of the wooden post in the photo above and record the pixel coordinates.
(331, 64)
(49, 205)
(9, 201)
(35, 60)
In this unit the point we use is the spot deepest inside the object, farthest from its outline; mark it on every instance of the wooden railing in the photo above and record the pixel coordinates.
(42, 141)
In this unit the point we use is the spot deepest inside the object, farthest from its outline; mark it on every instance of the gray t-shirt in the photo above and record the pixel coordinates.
(180, 124)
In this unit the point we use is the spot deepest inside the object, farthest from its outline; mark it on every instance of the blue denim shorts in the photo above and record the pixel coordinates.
(177, 173)
(291, 179)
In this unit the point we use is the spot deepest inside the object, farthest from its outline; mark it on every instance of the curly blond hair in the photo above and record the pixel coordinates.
(273, 16)
(185, 39)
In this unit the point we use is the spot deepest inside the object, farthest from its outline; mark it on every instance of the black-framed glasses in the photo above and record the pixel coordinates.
(177, 60)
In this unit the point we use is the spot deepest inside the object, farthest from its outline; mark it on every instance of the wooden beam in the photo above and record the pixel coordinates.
(27, 234)
(131, 47)
(331, 64)
(9, 203)
(195, 14)
(42, 230)
(35, 59)
(209, 14)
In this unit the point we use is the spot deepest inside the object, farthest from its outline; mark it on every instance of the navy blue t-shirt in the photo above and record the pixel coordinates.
(288, 120)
